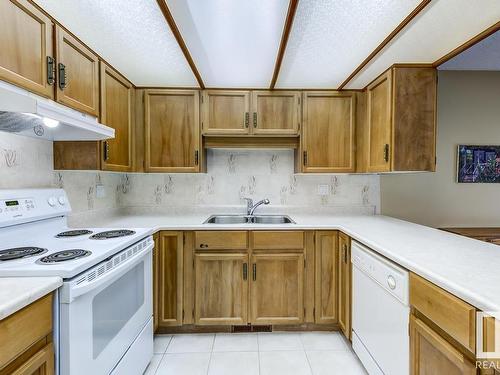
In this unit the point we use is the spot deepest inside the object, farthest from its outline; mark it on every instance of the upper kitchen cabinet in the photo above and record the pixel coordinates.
(26, 56)
(328, 142)
(172, 131)
(401, 119)
(117, 98)
(77, 73)
(275, 112)
(225, 112)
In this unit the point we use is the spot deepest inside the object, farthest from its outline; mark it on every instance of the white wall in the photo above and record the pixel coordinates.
(232, 174)
(468, 113)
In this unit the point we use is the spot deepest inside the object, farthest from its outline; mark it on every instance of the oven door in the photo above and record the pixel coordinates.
(100, 319)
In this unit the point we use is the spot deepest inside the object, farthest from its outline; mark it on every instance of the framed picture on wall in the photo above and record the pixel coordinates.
(478, 164)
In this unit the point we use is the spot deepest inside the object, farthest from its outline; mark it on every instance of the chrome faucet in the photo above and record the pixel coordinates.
(252, 207)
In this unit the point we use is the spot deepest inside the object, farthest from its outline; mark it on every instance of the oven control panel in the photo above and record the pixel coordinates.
(23, 205)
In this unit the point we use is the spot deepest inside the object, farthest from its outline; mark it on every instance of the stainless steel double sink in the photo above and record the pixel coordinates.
(246, 219)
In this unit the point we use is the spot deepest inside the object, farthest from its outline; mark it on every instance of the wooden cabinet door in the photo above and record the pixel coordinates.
(221, 288)
(328, 137)
(275, 112)
(226, 112)
(41, 363)
(345, 284)
(326, 297)
(77, 73)
(172, 131)
(379, 107)
(26, 41)
(117, 97)
(430, 354)
(276, 288)
(170, 278)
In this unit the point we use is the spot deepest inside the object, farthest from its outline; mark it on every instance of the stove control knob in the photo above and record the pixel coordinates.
(52, 201)
(62, 200)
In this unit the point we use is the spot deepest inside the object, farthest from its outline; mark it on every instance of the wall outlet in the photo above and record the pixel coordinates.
(323, 189)
(100, 191)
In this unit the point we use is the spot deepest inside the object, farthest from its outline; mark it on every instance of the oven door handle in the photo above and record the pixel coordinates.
(108, 278)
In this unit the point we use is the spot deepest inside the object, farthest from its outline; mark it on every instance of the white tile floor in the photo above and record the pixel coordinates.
(277, 353)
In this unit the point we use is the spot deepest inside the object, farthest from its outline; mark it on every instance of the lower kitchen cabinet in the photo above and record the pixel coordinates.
(277, 288)
(344, 291)
(326, 277)
(169, 279)
(431, 354)
(26, 340)
(221, 288)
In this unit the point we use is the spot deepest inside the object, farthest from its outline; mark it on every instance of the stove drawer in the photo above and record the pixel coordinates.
(24, 328)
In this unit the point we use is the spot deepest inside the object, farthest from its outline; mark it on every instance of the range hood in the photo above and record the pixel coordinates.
(24, 113)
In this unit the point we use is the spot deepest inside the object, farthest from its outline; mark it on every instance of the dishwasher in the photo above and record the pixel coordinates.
(380, 313)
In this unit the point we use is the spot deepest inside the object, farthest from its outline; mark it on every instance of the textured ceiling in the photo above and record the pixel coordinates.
(132, 35)
(484, 55)
(233, 43)
(330, 39)
(441, 27)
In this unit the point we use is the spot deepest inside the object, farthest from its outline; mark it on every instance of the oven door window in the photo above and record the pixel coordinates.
(113, 307)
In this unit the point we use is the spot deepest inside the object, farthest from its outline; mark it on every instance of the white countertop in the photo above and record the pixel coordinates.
(467, 268)
(18, 292)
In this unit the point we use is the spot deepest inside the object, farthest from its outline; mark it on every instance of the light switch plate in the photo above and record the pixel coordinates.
(100, 191)
(323, 189)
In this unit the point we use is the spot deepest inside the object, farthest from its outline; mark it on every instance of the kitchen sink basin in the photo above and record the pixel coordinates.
(272, 219)
(244, 219)
(227, 219)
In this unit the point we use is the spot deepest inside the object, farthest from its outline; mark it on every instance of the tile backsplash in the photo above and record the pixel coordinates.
(232, 175)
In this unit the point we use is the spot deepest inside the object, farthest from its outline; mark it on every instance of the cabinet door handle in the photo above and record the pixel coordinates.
(305, 157)
(247, 119)
(51, 70)
(254, 271)
(386, 153)
(106, 150)
(255, 119)
(196, 157)
(63, 79)
(203, 245)
(245, 271)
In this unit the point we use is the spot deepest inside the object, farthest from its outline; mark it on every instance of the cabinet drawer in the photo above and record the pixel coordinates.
(456, 317)
(234, 240)
(25, 327)
(269, 240)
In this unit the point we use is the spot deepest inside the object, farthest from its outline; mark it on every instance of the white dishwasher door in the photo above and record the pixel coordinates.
(380, 313)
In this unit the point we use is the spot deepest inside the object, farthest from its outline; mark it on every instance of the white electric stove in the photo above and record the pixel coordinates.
(103, 311)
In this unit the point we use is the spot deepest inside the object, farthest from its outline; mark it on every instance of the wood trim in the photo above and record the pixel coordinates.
(177, 34)
(386, 41)
(251, 142)
(484, 34)
(292, 8)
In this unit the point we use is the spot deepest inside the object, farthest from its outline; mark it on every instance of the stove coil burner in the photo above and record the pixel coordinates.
(74, 233)
(63, 256)
(112, 234)
(20, 252)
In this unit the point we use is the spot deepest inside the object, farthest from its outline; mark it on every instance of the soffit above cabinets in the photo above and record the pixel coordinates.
(330, 38)
(437, 30)
(484, 55)
(133, 36)
(233, 43)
